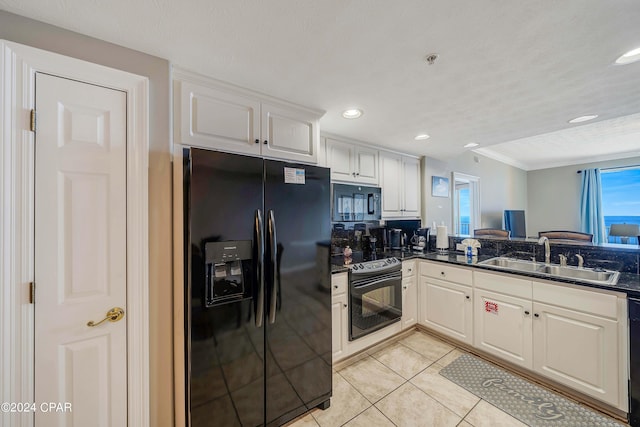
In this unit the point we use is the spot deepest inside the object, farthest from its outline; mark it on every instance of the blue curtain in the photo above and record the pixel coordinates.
(591, 216)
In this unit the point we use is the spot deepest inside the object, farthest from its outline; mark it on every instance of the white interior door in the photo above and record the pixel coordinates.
(80, 252)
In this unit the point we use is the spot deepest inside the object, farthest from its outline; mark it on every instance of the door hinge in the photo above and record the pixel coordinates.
(33, 121)
(32, 293)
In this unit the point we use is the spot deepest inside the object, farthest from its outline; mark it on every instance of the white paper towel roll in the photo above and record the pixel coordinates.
(442, 239)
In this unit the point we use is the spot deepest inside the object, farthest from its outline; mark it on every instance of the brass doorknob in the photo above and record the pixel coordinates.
(113, 315)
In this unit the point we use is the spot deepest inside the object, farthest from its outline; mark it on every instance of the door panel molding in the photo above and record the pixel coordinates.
(18, 65)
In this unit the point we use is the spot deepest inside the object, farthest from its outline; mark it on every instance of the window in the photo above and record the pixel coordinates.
(621, 199)
(466, 203)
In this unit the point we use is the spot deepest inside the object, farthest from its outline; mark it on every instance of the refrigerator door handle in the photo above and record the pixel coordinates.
(273, 246)
(259, 304)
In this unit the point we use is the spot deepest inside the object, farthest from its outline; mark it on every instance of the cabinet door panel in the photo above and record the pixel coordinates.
(339, 159)
(290, 134)
(502, 326)
(578, 350)
(439, 270)
(409, 302)
(447, 308)
(338, 326)
(411, 178)
(366, 165)
(212, 118)
(390, 178)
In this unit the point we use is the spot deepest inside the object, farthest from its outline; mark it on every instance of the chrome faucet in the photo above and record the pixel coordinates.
(580, 260)
(547, 250)
(563, 260)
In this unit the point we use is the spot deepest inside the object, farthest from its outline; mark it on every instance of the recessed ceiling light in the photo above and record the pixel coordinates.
(421, 137)
(353, 113)
(629, 57)
(583, 118)
(471, 145)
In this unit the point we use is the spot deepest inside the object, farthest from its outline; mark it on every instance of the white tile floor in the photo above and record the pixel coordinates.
(398, 384)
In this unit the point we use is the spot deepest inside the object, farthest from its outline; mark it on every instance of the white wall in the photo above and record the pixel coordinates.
(501, 187)
(554, 195)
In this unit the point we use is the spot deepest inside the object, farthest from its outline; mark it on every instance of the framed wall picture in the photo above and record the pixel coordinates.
(439, 186)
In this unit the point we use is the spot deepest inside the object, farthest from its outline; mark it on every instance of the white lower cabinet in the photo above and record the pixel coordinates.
(502, 326)
(339, 319)
(577, 337)
(574, 336)
(339, 315)
(580, 344)
(502, 317)
(446, 306)
(409, 295)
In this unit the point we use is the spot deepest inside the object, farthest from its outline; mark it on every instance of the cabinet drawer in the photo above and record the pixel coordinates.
(339, 283)
(446, 272)
(505, 284)
(408, 268)
(596, 303)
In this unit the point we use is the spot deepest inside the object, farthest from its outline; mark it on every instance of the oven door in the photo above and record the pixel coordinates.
(374, 304)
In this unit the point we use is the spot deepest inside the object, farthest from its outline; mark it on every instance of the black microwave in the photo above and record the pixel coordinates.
(355, 203)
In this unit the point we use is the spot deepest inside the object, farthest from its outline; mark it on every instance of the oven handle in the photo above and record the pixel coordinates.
(377, 283)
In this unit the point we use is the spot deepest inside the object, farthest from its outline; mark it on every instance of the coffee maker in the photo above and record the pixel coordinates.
(378, 239)
(420, 239)
(396, 240)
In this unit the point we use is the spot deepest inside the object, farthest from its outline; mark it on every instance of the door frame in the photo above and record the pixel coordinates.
(18, 65)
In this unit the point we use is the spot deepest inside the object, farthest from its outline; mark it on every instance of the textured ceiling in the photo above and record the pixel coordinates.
(507, 70)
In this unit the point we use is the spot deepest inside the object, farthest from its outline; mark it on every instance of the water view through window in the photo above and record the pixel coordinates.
(465, 211)
(621, 199)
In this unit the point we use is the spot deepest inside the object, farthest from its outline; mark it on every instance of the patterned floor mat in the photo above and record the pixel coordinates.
(523, 400)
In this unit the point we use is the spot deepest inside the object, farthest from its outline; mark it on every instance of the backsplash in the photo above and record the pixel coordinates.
(356, 235)
(623, 259)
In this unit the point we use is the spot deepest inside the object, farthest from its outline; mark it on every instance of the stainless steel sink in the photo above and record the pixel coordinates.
(512, 264)
(599, 276)
(591, 275)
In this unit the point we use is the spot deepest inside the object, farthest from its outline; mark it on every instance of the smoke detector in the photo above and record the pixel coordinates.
(431, 58)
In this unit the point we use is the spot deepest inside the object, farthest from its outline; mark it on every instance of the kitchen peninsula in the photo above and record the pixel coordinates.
(469, 301)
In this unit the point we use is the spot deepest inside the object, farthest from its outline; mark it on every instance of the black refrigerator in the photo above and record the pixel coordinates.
(258, 311)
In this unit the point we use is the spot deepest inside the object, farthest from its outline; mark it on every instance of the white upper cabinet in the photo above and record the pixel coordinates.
(400, 182)
(212, 118)
(352, 163)
(211, 114)
(390, 181)
(411, 181)
(290, 134)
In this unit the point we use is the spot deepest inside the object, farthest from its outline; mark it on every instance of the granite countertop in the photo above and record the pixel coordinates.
(628, 283)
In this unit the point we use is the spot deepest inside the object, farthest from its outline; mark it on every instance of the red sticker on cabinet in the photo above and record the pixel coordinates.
(491, 307)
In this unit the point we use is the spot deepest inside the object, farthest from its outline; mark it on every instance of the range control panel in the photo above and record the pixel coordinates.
(387, 264)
